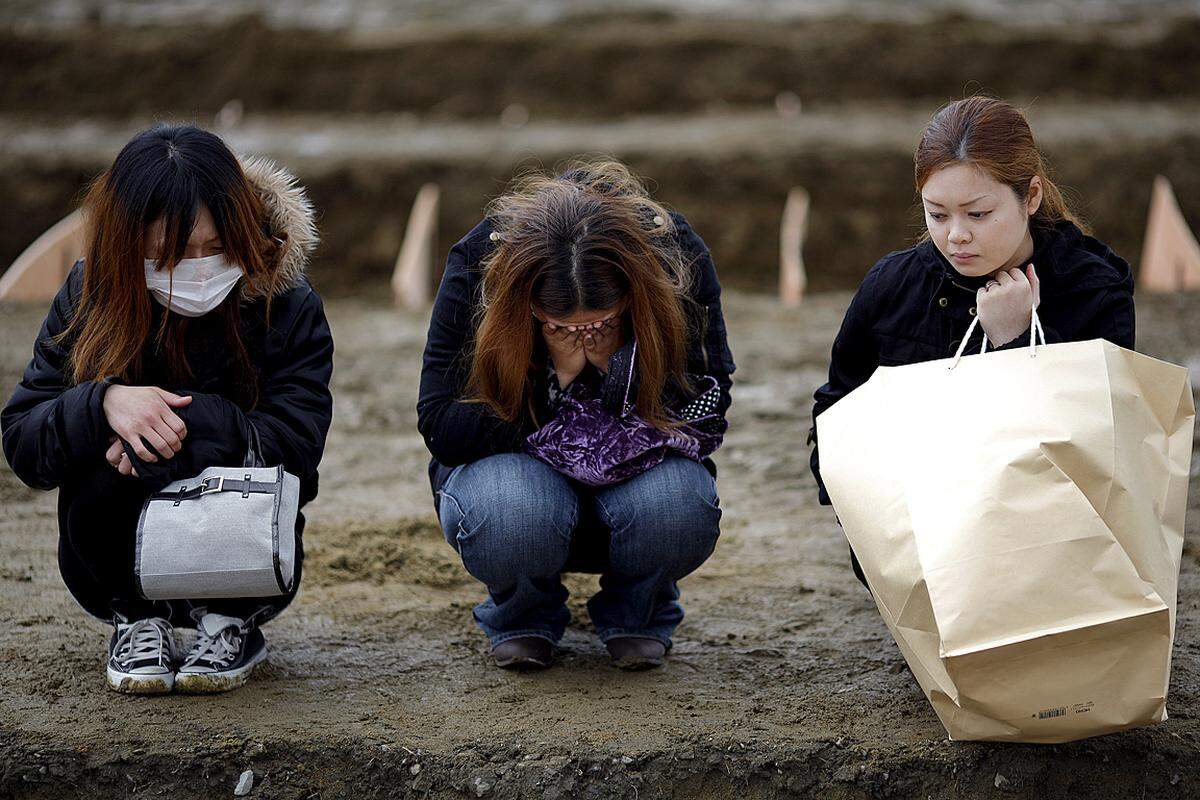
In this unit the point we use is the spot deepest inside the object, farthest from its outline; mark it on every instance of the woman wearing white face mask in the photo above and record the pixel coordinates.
(188, 323)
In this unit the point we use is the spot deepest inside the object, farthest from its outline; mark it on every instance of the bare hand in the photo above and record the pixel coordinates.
(566, 352)
(601, 342)
(1005, 304)
(137, 413)
(119, 459)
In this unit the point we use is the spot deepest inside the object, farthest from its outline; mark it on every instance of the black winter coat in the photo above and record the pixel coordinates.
(54, 431)
(913, 306)
(458, 432)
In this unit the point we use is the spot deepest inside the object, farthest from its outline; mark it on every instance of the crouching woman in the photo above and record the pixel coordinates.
(188, 324)
(576, 378)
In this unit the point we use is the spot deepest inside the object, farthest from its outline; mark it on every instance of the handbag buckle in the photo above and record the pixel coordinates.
(207, 485)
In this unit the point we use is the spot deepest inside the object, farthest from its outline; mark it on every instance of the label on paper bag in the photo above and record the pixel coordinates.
(1061, 711)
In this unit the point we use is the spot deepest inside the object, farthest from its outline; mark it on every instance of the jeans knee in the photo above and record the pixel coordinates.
(672, 522)
(509, 519)
(500, 553)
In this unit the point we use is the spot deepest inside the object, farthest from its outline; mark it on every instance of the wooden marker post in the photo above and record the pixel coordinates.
(412, 277)
(39, 272)
(1170, 253)
(792, 278)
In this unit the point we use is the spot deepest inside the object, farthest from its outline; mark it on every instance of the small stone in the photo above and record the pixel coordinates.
(415, 769)
(1175, 779)
(626, 760)
(480, 786)
(244, 784)
(1001, 782)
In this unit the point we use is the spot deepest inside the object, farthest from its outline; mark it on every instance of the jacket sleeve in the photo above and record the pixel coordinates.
(854, 359)
(713, 357)
(51, 427)
(457, 432)
(292, 416)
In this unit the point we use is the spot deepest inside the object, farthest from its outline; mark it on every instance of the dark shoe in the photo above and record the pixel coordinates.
(225, 654)
(633, 653)
(525, 653)
(141, 656)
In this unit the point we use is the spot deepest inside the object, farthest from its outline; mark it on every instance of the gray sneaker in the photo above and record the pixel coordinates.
(142, 656)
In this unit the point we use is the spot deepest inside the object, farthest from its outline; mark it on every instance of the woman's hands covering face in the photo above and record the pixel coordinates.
(573, 346)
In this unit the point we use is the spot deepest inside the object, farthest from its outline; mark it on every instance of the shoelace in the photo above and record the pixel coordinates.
(218, 650)
(146, 638)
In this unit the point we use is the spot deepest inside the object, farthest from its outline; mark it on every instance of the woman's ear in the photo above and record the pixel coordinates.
(1033, 198)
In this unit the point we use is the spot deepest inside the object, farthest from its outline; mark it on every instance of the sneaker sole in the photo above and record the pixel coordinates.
(205, 683)
(137, 683)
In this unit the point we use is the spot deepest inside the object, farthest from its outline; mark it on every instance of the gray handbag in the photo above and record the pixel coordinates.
(228, 532)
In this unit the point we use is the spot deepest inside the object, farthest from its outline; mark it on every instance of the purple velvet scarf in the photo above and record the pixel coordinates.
(596, 448)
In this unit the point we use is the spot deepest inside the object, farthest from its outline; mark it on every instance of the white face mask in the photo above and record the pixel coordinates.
(197, 285)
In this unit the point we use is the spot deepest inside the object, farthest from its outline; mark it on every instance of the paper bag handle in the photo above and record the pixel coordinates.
(1035, 330)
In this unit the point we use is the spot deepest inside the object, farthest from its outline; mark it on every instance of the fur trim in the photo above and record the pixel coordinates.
(290, 217)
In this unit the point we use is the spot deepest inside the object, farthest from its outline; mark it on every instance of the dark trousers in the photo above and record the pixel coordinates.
(97, 525)
(858, 573)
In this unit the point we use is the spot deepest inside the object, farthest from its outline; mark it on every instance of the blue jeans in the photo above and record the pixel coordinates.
(511, 518)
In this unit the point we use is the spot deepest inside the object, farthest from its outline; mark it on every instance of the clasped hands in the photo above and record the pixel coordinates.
(143, 416)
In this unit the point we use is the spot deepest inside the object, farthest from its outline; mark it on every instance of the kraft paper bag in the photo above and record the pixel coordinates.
(1019, 518)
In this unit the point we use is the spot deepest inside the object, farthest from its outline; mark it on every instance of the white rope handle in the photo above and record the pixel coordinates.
(1035, 330)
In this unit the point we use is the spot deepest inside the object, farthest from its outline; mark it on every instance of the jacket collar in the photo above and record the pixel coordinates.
(1057, 252)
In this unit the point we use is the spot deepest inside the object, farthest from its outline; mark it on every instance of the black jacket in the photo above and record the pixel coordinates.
(913, 306)
(458, 432)
(54, 431)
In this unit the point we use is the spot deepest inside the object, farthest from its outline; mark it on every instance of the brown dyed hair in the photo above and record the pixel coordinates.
(584, 240)
(165, 173)
(994, 136)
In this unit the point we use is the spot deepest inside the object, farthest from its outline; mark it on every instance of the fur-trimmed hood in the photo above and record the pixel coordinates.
(290, 218)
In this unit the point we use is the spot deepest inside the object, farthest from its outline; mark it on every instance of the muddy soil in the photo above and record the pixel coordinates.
(597, 68)
(784, 681)
(729, 175)
(724, 108)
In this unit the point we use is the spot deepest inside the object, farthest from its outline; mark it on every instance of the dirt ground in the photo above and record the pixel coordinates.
(784, 681)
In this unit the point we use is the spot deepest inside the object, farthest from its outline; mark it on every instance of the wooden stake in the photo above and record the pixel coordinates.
(793, 279)
(413, 276)
(39, 272)
(1170, 253)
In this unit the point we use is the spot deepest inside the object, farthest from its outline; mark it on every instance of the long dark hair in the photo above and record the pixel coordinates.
(165, 173)
(583, 240)
(994, 136)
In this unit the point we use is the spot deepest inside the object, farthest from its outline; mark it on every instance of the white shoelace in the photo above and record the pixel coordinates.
(146, 638)
(218, 650)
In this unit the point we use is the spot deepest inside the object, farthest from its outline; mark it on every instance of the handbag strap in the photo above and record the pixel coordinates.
(219, 483)
(254, 456)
